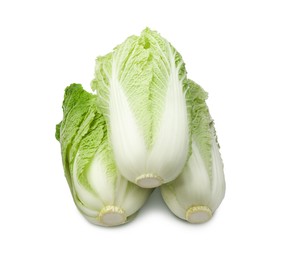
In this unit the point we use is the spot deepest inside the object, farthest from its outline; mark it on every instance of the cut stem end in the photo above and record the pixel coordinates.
(198, 214)
(149, 181)
(112, 216)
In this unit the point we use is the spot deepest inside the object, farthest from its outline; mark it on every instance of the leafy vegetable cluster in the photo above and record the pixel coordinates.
(145, 125)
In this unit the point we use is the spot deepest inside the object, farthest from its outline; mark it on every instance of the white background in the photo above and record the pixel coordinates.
(232, 48)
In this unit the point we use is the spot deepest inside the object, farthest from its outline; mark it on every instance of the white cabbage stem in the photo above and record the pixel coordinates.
(112, 216)
(110, 199)
(196, 194)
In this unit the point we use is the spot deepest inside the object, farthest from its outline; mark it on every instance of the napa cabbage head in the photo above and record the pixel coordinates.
(100, 193)
(141, 88)
(200, 188)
